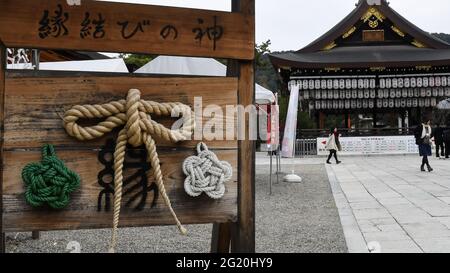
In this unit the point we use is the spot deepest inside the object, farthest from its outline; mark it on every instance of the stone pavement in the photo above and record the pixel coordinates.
(387, 200)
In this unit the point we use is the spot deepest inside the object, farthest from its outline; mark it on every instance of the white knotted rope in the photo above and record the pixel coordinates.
(206, 173)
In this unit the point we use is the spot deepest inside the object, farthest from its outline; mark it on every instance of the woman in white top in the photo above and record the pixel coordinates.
(423, 135)
(333, 145)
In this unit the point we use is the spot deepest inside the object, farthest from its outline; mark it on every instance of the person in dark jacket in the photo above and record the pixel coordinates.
(423, 135)
(439, 141)
(446, 138)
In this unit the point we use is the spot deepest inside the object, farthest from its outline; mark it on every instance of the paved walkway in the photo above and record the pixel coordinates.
(387, 200)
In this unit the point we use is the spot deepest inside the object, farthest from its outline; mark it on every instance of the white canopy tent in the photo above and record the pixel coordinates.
(106, 65)
(199, 67)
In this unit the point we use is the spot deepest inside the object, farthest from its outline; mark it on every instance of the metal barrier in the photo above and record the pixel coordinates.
(306, 147)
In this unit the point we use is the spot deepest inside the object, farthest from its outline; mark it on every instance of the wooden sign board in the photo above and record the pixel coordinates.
(128, 28)
(33, 109)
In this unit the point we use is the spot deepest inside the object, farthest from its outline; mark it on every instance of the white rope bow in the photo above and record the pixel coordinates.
(206, 173)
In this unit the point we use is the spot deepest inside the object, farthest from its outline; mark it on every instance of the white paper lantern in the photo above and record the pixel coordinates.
(431, 81)
(323, 84)
(373, 83)
(353, 104)
(440, 91)
(317, 84)
(392, 93)
(360, 83)
(388, 83)
(444, 81)
(417, 92)
(354, 83)
(342, 94)
(348, 94)
(427, 102)
(413, 82)
(382, 83)
(400, 83)
(407, 82)
(385, 103)
(347, 104)
(359, 104)
(330, 94)
(403, 103)
(348, 83)
(437, 81)
(434, 92)
(342, 84)
(447, 91)
(336, 84)
(371, 104)
(366, 94)
(365, 104)
(366, 83)
(397, 103)
(305, 84)
(386, 93)
(335, 94)
(311, 84)
(373, 93)
(318, 105)
(335, 104)
(415, 102)
(379, 103)
(391, 103)
(425, 82)
(306, 95)
(330, 84)
(410, 92)
(324, 104)
(419, 82)
(409, 103)
(318, 94)
(429, 92)
(433, 102)
(394, 83)
(341, 104)
(404, 93)
(360, 94)
(421, 102)
(380, 93)
(423, 92)
(324, 94)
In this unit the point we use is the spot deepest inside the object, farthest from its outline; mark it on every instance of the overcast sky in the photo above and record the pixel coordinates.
(292, 24)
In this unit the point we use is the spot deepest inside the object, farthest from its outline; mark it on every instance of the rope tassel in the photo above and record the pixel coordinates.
(139, 129)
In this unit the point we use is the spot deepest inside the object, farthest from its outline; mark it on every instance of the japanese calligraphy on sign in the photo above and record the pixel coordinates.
(93, 26)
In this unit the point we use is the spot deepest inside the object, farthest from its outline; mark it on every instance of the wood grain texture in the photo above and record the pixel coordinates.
(20, 27)
(82, 212)
(35, 105)
(2, 130)
(244, 235)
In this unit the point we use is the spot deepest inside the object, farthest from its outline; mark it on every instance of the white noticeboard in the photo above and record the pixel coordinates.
(372, 145)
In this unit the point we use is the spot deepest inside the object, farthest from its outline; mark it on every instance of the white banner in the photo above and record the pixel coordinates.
(291, 124)
(372, 145)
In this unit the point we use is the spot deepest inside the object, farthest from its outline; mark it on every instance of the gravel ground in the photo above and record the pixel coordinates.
(295, 218)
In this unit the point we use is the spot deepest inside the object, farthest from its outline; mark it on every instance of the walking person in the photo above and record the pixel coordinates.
(423, 135)
(446, 138)
(439, 141)
(333, 145)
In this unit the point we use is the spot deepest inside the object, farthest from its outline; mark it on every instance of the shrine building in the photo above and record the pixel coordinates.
(373, 63)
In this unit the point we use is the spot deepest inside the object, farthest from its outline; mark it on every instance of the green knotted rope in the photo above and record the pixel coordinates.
(49, 181)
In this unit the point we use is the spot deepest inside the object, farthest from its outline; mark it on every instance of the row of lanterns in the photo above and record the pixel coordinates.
(372, 93)
(371, 103)
(370, 83)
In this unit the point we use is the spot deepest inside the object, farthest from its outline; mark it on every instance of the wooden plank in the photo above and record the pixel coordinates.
(2, 130)
(82, 213)
(119, 27)
(244, 235)
(35, 106)
(220, 239)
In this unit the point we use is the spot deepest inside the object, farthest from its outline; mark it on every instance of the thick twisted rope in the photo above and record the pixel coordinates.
(206, 173)
(139, 129)
(49, 181)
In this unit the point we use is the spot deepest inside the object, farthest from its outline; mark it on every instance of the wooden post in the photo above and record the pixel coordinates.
(244, 235)
(321, 120)
(2, 109)
(221, 238)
